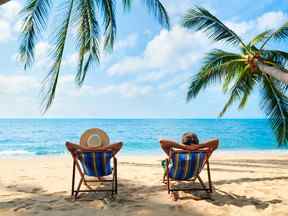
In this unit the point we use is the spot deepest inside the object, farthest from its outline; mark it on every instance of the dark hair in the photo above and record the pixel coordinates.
(189, 138)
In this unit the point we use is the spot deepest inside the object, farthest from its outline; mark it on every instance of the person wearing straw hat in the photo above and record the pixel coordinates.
(93, 158)
(97, 139)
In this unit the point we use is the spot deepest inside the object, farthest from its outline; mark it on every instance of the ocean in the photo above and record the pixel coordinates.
(140, 136)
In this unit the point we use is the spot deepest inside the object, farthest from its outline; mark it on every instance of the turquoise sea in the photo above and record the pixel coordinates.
(140, 136)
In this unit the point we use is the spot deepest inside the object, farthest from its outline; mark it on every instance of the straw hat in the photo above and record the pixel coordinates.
(94, 137)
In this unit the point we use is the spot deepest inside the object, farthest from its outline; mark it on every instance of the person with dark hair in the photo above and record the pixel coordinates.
(190, 138)
(190, 142)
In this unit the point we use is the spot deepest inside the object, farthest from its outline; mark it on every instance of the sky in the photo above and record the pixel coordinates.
(146, 76)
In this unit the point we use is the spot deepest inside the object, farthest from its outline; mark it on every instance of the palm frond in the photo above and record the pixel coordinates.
(107, 7)
(50, 83)
(35, 14)
(260, 38)
(275, 56)
(254, 79)
(211, 72)
(200, 19)
(242, 87)
(127, 4)
(280, 34)
(156, 8)
(88, 38)
(232, 68)
(275, 105)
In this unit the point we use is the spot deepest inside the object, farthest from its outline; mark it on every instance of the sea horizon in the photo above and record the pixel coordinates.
(140, 136)
(135, 118)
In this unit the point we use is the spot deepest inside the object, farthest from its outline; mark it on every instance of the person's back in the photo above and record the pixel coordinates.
(190, 142)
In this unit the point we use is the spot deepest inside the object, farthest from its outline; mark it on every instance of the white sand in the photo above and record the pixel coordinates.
(246, 184)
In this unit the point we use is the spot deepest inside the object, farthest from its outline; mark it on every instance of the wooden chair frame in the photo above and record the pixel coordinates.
(85, 181)
(167, 179)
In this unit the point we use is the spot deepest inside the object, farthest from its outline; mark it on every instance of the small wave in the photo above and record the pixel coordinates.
(15, 153)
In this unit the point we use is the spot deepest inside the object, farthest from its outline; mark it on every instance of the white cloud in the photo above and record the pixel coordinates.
(42, 49)
(71, 60)
(17, 84)
(18, 26)
(176, 9)
(175, 81)
(126, 66)
(42, 59)
(163, 68)
(171, 57)
(151, 76)
(271, 20)
(129, 42)
(171, 51)
(5, 31)
(241, 28)
(8, 20)
(125, 89)
(10, 10)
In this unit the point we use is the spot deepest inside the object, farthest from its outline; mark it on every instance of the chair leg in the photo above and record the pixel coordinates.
(167, 176)
(116, 183)
(78, 188)
(209, 178)
(73, 178)
(113, 185)
(202, 183)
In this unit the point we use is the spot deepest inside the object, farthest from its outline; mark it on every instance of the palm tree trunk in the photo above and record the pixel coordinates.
(275, 72)
(3, 1)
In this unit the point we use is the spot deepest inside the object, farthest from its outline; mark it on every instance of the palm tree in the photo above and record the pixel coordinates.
(95, 20)
(240, 73)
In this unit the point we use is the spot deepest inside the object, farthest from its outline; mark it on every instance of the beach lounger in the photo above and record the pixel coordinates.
(96, 164)
(186, 166)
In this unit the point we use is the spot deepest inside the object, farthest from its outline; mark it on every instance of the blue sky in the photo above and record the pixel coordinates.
(146, 75)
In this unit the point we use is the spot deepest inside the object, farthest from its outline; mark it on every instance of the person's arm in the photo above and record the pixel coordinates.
(166, 145)
(211, 144)
(115, 147)
(72, 147)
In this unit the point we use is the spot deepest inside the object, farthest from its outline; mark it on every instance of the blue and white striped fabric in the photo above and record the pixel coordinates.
(96, 163)
(186, 165)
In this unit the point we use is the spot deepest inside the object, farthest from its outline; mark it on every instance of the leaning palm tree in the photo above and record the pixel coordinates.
(94, 20)
(241, 72)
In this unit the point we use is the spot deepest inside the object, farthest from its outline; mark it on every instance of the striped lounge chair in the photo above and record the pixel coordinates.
(186, 166)
(95, 164)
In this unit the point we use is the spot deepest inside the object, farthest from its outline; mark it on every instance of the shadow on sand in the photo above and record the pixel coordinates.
(33, 200)
(133, 197)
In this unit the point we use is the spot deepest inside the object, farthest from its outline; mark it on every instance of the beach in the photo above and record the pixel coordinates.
(244, 183)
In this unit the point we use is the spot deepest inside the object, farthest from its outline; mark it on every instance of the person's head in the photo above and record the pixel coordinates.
(190, 138)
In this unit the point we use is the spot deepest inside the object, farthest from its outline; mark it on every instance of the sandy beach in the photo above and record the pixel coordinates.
(245, 184)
